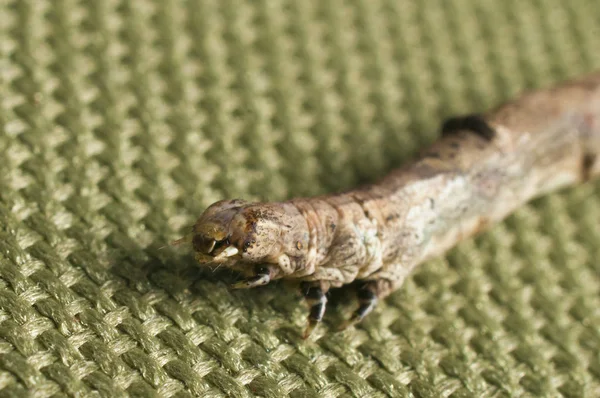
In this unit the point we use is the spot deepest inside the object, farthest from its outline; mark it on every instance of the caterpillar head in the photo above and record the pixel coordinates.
(242, 235)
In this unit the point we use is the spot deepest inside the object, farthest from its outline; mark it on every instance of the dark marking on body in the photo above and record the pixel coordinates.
(248, 244)
(431, 203)
(251, 225)
(589, 159)
(474, 123)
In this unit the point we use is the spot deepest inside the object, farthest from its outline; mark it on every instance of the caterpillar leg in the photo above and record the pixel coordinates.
(368, 295)
(367, 300)
(262, 277)
(315, 296)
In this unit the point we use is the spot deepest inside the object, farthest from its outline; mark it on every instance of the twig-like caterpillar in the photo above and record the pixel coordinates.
(480, 170)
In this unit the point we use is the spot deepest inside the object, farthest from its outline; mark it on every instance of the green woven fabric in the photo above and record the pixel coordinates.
(121, 121)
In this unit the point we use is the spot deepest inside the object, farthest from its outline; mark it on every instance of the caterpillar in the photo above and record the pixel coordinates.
(481, 169)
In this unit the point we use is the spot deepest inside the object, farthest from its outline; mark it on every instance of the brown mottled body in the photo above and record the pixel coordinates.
(477, 173)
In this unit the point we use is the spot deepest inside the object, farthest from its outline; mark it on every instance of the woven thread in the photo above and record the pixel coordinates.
(120, 121)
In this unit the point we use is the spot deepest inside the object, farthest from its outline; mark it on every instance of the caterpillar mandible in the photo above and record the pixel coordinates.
(480, 170)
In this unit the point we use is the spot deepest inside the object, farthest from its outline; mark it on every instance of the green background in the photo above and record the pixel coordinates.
(121, 121)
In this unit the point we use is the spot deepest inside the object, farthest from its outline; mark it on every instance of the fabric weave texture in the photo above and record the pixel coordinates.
(120, 121)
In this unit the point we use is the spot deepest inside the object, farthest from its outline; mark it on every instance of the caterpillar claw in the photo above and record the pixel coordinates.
(367, 298)
(312, 324)
(258, 280)
(315, 296)
(346, 324)
(262, 277)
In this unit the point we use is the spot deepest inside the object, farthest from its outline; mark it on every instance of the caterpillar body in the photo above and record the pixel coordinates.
(480, 170)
